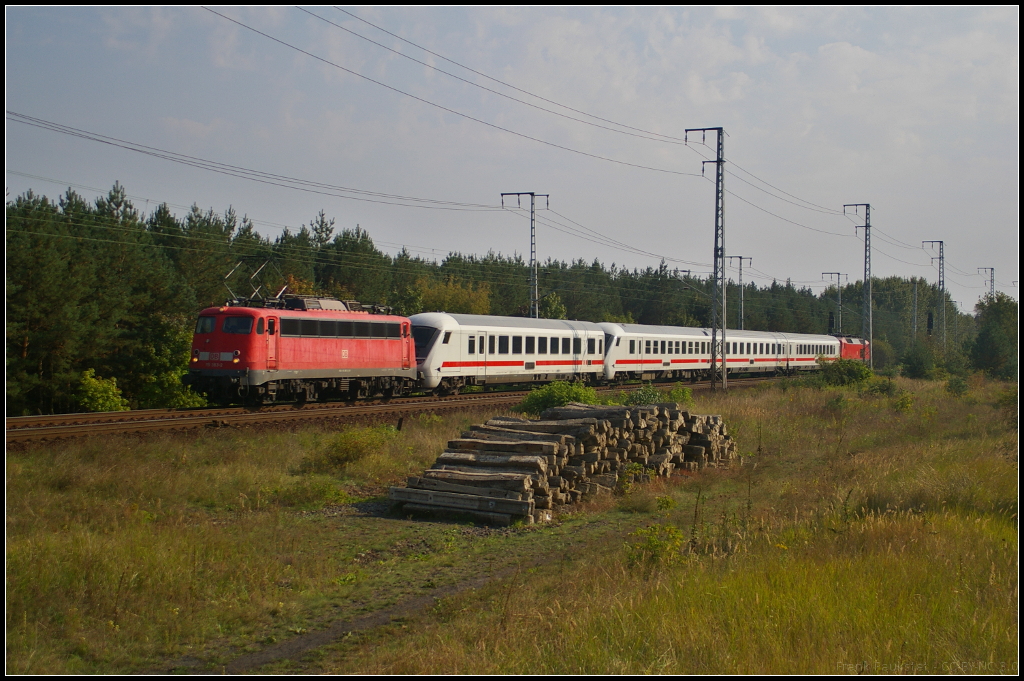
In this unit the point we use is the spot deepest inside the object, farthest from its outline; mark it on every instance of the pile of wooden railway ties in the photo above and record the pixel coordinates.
(515, 469)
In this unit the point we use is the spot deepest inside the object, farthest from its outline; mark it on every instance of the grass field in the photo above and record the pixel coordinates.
(869, 531)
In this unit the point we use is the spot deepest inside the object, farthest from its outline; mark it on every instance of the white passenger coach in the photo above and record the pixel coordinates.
(638, 351)
(456, 350)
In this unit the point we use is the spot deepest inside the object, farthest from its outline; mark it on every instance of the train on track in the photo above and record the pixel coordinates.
(302, 348)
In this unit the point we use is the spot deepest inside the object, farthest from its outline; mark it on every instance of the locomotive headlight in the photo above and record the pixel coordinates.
(195, 359)
(235, 360)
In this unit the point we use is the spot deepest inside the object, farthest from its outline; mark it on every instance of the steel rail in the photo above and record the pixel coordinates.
(25, 429)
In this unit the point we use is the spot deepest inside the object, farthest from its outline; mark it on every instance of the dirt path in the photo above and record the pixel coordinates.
(300, 645)
(551, 546)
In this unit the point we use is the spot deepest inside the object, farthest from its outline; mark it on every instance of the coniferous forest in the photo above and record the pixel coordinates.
(99, 292)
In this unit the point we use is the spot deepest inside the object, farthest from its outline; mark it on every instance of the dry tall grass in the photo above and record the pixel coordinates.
(865, 533)
(868, 538)
(121, 551)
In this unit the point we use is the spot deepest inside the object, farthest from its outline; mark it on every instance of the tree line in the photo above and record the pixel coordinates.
(100, 290)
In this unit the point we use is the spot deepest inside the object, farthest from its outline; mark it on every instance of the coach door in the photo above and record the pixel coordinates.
(272, 334)
(486, 349)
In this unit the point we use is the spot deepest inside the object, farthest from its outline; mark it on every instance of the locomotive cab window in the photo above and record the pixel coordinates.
(206, 324)
(271, 327)
(259, 326)
(237, 325)
(447, 337)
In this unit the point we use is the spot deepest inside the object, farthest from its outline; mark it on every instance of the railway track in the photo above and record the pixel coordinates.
(27, 429)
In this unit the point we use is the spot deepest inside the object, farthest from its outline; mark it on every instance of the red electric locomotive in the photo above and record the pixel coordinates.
(854, 348)
(300, 348)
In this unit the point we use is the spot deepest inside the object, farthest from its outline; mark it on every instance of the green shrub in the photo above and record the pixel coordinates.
(99, 394)
(165, 391)
(1008, 404)
(348, 446)
(680, 395)
(903, 402)
(844, 372)
(314, 491)
(957, 386)
(886, 388)
(919, 362)
(646, 394)
(655, 544)
(556, 394)
(836, 404)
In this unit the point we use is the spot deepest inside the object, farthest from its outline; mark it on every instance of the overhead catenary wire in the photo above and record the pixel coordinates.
(227, 239)
(668, 138)
(285, 181)
(350, 260)
(663, 139)
(624, 293)
(448, 109)
(602, 239)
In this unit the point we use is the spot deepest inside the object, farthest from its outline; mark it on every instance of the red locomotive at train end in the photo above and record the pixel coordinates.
(300, 348)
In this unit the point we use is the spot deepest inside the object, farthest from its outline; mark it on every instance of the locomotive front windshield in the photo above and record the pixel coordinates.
(205, 324)
(424, 337)
(237, 325)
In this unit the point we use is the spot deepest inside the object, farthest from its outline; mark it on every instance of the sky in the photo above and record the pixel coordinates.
(412, 121)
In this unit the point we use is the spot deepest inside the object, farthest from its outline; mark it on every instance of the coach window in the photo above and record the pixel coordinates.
(542, 345)
(647, 347)
(600, 347)
(490, 345)
(502, 345)
(565, 346)
(591, 346)
(530, 342)
(632, 346)
(472, 345)
(577, 346)
(259, 326)
(517, 345)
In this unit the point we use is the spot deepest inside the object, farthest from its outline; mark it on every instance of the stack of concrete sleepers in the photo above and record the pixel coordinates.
(511, 468)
